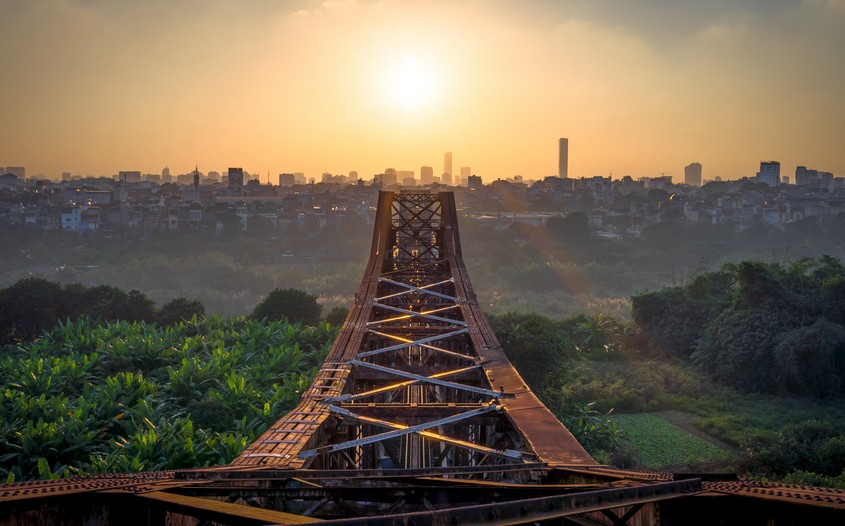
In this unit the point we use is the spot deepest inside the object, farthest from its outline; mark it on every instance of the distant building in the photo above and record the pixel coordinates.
(692, 174)
(474, 182)
(447, 168)
(66, 176)
(466, 172)
(769, 173)
(426, 175)
(563, 158)
(17, 171)
(390, 176)
(165, 175)
(236, 177)
(129, 176)
(287, 179)
(353, 176)
(806, 176)
(185, 179)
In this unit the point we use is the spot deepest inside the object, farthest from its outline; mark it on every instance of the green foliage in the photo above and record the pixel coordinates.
(179, 309)
(755, 326)
(810, 359)
(623, 385)
(594, 430)
(29, 307)
(810, 447)
(91, 398)
(534, 344)
(337, 316)
(293, 305)
(33, 305)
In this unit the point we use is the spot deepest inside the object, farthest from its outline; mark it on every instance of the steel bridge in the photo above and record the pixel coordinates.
(416, 417)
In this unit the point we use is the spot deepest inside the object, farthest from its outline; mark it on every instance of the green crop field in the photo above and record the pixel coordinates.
(655, 443)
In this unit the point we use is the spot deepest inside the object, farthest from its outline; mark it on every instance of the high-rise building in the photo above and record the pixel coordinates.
(426, 175)
(287, 179)
(769, 173)
(447, 168)
(236, 177)
(466, 172)
(692, 174)
(563, 158)
(165, 175)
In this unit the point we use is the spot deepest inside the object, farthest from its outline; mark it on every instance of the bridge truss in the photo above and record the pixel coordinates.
(416, 417)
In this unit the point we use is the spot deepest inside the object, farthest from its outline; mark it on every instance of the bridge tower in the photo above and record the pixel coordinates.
(416, 378)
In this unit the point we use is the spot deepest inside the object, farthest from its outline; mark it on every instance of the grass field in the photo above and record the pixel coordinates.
(652, 442)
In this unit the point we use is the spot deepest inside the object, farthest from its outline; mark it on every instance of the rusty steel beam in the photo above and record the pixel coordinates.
(218, 511)
(528, 511)
(420, 429)
(397, 385)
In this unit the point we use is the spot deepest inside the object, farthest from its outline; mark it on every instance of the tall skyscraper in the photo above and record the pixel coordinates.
(692, 174)
(563, 158)
(447, 168)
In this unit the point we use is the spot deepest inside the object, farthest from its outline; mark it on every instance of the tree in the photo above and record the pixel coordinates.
(179, 309)
(337, 316)
(293, 305)
(573, 228)
(811, 359)
(534, 344)
(669, 321)
(29, 307)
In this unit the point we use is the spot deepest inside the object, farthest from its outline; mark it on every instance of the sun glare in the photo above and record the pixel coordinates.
(411, 85)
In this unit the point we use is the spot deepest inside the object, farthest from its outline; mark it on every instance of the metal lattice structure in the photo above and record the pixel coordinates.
(416, 379)
(416, 417)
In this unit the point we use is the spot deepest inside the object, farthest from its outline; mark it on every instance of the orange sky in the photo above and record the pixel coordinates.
(639, 87)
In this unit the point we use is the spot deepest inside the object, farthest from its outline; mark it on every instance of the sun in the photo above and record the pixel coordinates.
(412, 85)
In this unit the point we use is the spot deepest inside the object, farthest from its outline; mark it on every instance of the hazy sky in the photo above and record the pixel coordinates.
(640, 87)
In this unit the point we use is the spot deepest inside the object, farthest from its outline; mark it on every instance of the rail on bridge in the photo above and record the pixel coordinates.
(416, 417)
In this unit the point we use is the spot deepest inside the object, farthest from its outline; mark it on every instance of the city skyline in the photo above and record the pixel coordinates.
(640, 88)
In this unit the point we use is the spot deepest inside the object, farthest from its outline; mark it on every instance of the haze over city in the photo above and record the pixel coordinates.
(640, 87)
